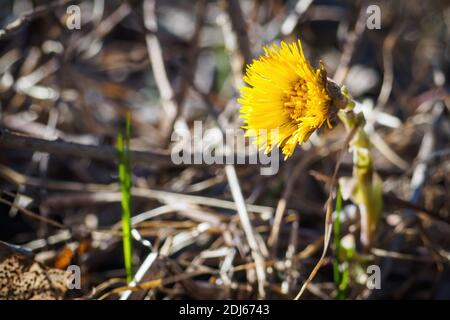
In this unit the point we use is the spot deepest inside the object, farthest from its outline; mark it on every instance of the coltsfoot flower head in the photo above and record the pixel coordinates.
(286, 100)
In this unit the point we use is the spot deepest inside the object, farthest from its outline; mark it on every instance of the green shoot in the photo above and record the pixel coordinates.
(340, 277)
(123, 146)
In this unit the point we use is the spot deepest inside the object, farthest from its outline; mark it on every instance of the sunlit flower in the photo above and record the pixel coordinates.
(286, 99)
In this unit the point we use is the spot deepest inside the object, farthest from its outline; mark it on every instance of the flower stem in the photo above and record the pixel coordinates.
(366, 191)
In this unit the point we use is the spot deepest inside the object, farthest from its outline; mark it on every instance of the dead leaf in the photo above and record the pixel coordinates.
(22, 278)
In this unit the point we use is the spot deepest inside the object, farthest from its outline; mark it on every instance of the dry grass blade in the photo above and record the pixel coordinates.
(152, 284)
(33, 215)
(328, 218)
(247, 226)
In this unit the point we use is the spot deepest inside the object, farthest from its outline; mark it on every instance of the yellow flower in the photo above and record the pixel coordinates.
(286, 100)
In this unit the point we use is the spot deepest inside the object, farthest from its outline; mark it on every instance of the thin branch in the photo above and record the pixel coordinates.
(12, 140)
(157, 60)
(33, 215)
(388, 72)
(239, 26)
(344, 65)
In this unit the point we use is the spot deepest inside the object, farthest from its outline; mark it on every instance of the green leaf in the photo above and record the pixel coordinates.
(340, 276)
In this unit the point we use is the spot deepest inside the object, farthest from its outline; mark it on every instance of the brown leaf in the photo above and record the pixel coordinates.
(22, 278)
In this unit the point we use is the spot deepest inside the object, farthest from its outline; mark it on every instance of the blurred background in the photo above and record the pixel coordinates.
(70, 72)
